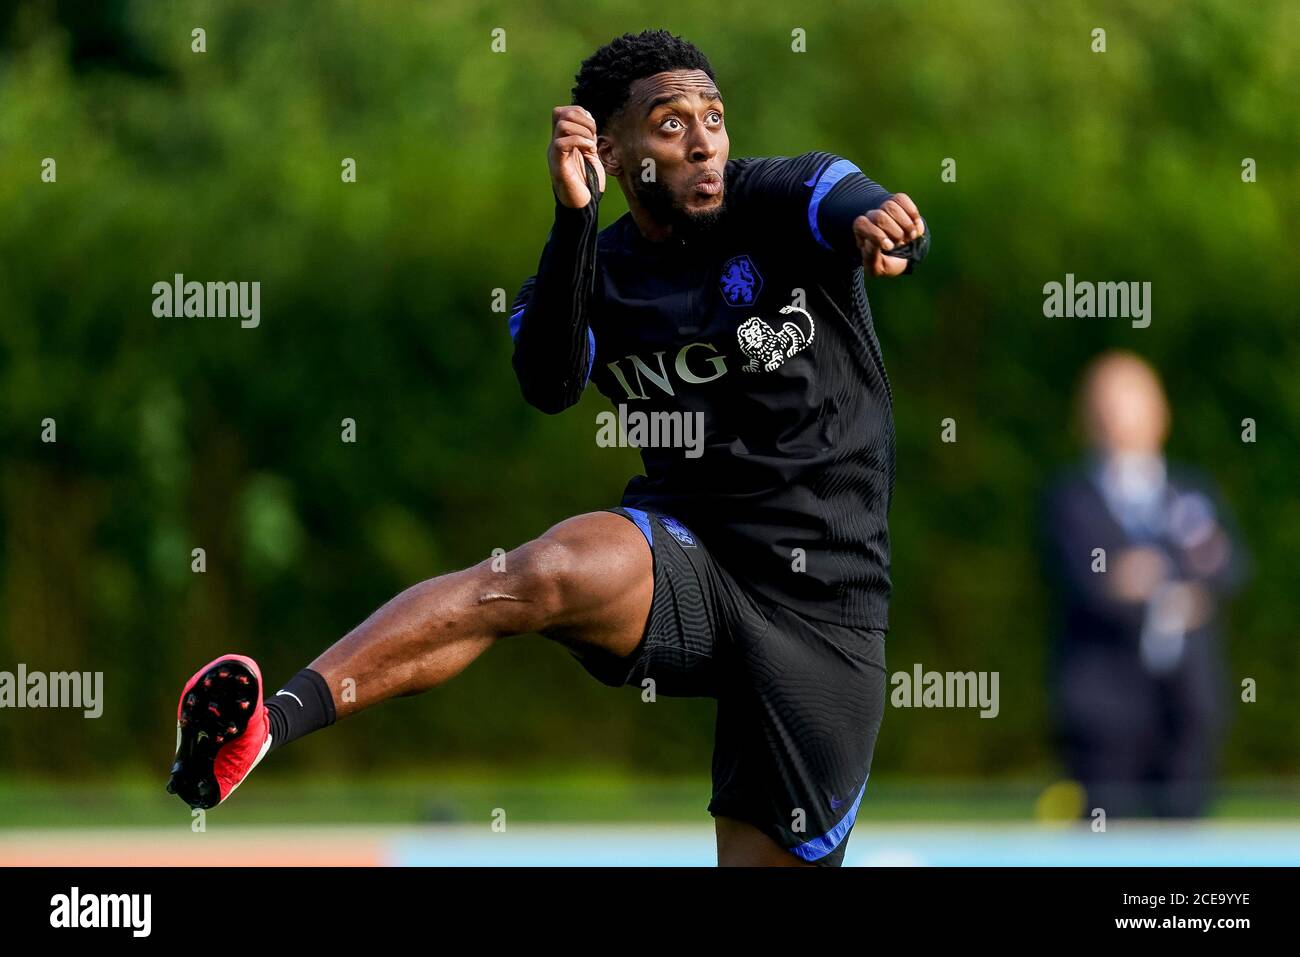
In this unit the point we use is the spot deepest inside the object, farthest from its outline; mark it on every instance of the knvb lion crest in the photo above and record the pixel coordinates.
(740, 281)
(677, 530)
(765, 347)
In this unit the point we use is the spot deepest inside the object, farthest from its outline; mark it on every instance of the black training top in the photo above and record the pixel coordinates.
(761, 332)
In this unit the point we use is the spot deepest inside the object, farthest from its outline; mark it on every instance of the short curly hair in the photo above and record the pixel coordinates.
(606, 77)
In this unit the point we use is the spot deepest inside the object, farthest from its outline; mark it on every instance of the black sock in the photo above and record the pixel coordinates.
(302, 706)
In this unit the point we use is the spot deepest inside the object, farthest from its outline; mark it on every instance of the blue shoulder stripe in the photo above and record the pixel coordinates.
(821, 186)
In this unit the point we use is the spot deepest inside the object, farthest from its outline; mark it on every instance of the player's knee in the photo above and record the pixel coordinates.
(543, 575)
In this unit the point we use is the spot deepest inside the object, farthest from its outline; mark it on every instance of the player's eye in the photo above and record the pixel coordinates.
(715, 117)
(671, 119)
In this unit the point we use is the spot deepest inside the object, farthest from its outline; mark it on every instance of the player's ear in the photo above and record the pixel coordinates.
(608, 155)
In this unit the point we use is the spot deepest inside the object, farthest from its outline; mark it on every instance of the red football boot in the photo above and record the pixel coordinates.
(222, 731)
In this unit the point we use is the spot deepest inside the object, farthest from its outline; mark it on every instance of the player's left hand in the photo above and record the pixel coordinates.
(883, 230)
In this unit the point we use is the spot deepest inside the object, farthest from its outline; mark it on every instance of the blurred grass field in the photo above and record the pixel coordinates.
(609, 819)
(469, 795)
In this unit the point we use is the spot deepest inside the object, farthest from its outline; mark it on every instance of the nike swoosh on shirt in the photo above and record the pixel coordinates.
(836, 804)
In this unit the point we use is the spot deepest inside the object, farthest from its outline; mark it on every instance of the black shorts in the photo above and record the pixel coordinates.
(799, 700)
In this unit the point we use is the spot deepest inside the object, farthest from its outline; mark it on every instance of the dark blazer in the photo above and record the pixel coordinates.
(1117, 719)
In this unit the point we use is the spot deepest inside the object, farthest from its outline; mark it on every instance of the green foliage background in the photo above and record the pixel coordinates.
(376, 304)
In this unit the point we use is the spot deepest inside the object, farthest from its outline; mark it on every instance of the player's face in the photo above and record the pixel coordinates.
(675, 120)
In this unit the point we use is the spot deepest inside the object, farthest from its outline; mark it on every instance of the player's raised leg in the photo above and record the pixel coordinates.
(588, 583)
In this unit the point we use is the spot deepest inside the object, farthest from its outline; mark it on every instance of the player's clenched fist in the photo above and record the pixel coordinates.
(883, 230)
(573, 139)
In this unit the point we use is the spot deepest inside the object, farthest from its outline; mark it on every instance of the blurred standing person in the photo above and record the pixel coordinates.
(1142, 558)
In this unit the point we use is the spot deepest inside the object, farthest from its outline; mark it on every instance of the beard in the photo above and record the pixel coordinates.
(686, 223)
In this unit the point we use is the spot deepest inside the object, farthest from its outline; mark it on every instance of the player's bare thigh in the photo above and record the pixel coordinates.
(602, 567)
(743, 845)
